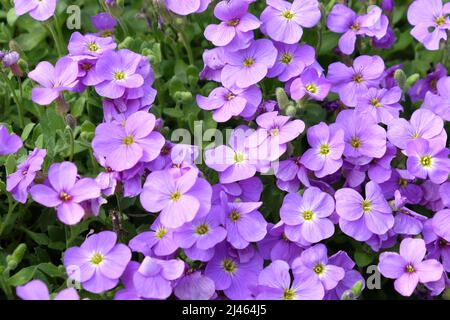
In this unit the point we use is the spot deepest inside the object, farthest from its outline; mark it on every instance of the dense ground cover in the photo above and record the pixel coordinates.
(197, 149)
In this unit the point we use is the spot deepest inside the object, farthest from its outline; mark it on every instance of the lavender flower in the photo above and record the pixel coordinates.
(408, 267)
(39, 10)
(9, 143)
(64, 191)
(98, 263)
(37, 290)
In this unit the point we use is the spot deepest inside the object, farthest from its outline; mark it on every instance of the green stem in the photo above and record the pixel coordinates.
(72, 143)
(15, 98)
(445, 53)
(6, 288)
(55, 39)
(9, 215)
(59, 33)
(187, 45)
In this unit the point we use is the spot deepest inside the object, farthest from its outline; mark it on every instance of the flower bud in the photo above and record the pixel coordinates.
(10, 58)
(282, 98)
(16, 257)
(400, 77)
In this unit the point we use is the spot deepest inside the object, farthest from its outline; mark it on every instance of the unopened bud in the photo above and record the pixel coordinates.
(282, 98)
(71, 121)
(400, 77)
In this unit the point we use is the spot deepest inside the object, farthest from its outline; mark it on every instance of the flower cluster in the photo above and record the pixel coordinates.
(373, 171)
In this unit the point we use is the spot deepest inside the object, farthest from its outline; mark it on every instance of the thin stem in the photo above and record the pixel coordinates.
(72, 143)
(6, 288)
(15, 98)
(187, 45)
(59, 33)
(55, 39)
(9, 215)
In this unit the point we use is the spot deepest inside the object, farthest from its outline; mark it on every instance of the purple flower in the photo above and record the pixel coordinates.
(199, 237)
(361, 217)
(283, 21)
(187, 7)
(423, 124)
(439, 103)
(37, 290)
(430, 20)
(98, 263)
(116, 72)
(123, 145)
(10, 58)
(243, 222)
(344, 20)
(105, 23)
(89, 45)
(53, 80)
(385, 42)
(232, 275)
(313, 263)
(422, 86)
(327, 145)
(292, 59)
(425, 160)
(195, 286)
(407, 221)
(311, 84)
(438, 248)
(341, 259)
(307, 216)
(364, 139)
(403, 181)
(273, 134)
(408, 267)
(65, 192)
(228, 103)
(234, 31)
(214, 61)
(179, 198)
(352, 82)
(382, 104)
(234, 162)
(153, 279)
(441, 224)
(18, 183)
(38, 9)
(248, 66)
(159, 241)
(275, 283)
(9, 143)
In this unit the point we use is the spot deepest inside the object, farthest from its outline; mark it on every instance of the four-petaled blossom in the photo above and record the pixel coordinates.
(352, 82)
(310, 84)
(306, 217)
(40, 10)
(283, 21)
(65, 192)
(430, 20)
(53, 80)
(98, 263)
(178, 198)
(124, 144)
(409, 267)
(361, 217)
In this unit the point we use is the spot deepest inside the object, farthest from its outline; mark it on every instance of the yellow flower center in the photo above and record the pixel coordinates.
(358, 78)
(289, 294)
(249, 62)
(402, 182)
(376, 103)
(160, 232)
(288, 14)
(239, 157)
(119, 75)
(355, 142)
(308, 215)
(175, 196)
(230, 96)
(355, 27)
(93, 47)
(319, 268)
(235, 215)
(311, 88)
(229, 266)
(233, 23)
(128, 140)
(440, 20)
(286, 58)
(97, 258)
(366, 205)
(324, 149)
(426, 161)
(65, 196)
(202, 229)
(409, 268)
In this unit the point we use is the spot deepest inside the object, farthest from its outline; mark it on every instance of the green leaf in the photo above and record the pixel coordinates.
(173, 112)
(23, 276)
(51, 270)
(363, 259)
(27, 130)
(39, 238)
(10, 164)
